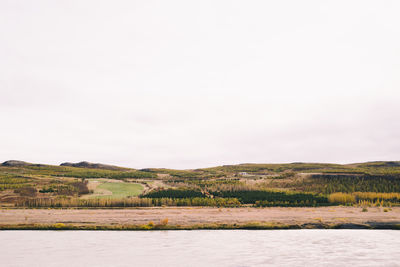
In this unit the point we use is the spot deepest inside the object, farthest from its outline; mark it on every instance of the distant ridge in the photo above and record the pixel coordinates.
(85, 164)
(15, 163)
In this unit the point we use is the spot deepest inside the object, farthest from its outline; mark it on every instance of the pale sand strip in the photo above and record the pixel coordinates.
(192, 215)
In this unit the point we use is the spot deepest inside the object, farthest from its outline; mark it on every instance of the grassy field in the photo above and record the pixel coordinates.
(120, 190)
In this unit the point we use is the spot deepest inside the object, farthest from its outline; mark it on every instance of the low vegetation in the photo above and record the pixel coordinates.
(174, 193)
(365, 198)
(126, 202)
(121, 190)
(263, 196)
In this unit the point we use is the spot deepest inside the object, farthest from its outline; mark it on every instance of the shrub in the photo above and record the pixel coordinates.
(26, 191)
(252, 196)
(81, 187)
(47, 190)
(164, 222)
(174, 193)
(342, 198)
(59, 225)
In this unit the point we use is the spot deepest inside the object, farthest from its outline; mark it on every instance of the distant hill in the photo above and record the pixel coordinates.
(85, 164)
(378, 164)
(244, 167)
(15, 163)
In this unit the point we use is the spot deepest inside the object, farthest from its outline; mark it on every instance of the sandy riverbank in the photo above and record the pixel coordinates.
(345, 217)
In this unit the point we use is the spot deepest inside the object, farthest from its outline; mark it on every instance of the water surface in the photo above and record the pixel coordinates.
(201, 248)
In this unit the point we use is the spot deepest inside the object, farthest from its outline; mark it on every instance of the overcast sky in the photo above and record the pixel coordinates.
(186, 84)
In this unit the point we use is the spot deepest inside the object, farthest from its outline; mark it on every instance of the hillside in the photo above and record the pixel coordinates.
(294, 184)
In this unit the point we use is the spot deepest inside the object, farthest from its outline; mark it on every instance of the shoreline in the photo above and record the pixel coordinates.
(197, 218)
(251, 226)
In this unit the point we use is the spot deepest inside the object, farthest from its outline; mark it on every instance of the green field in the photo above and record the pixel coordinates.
(121, 190)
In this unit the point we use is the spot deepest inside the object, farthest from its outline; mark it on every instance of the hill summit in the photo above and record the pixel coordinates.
(15, 163)
(85, 164)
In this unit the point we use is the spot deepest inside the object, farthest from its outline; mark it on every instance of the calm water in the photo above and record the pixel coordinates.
(201, 248)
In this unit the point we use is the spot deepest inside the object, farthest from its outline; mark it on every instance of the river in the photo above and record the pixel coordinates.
(201, 248)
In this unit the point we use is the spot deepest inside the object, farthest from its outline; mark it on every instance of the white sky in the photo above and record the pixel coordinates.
(188, 84)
